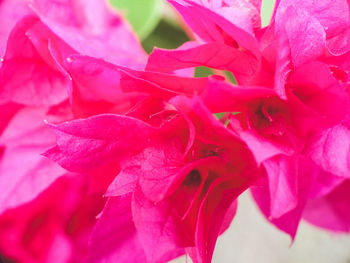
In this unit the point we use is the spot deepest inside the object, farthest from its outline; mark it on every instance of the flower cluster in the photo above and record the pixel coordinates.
(107, 155)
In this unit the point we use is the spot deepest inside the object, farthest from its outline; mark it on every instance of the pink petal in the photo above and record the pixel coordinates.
(230, 214)
(324, 184)
(283, 65)
(223, 97)
(157, 227)
(23, 183)
(97, 87)
(157, 166)
(90, 143)
(333, 15)
(331, 211)
(329, 148)
(216, 28)
(100, 87)
(126, 180)
(11, 11)
(282, 174)
(25, 75)
(160, 163)
(306, 35)
(24, 139)
(8, 111)
(287, 223)
(293, 201)
(95, 24)
(114, 237)
(262, 148)
(315, 86)
(54, 226)
(211, 220)
(340, 44)
(216, 55)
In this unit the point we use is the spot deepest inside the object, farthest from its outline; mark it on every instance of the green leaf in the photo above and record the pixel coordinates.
(266, 11)
(143, 15)
(201, 72)
(219, 115)
(230, 77)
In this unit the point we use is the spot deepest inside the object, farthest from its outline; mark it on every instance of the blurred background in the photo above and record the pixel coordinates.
(250, 239)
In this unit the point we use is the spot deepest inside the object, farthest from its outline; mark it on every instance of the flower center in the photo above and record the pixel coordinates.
(193, 178)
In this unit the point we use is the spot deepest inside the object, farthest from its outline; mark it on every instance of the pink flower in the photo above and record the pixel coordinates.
(264, 54)
(179, 180)
(228, 36)
(54, 226)
(267, 124)
(284, 138)
(36, 87)
(101, 87)
(11, 12)
(293, 136)
(33, 70)
(148, 141)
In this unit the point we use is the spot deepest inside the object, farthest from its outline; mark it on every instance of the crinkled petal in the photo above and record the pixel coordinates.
(85, 144)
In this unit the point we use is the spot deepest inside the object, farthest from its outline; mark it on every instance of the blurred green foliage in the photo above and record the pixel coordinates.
(166, 35)
(143, 15)
(266, 11)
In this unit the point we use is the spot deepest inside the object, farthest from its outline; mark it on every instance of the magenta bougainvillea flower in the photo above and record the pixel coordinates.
(36, 87)
(107, 155)
(157, 151)
(183, 178)
(299, 132)
(35, 83)
(228, 33)
(39, 44)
